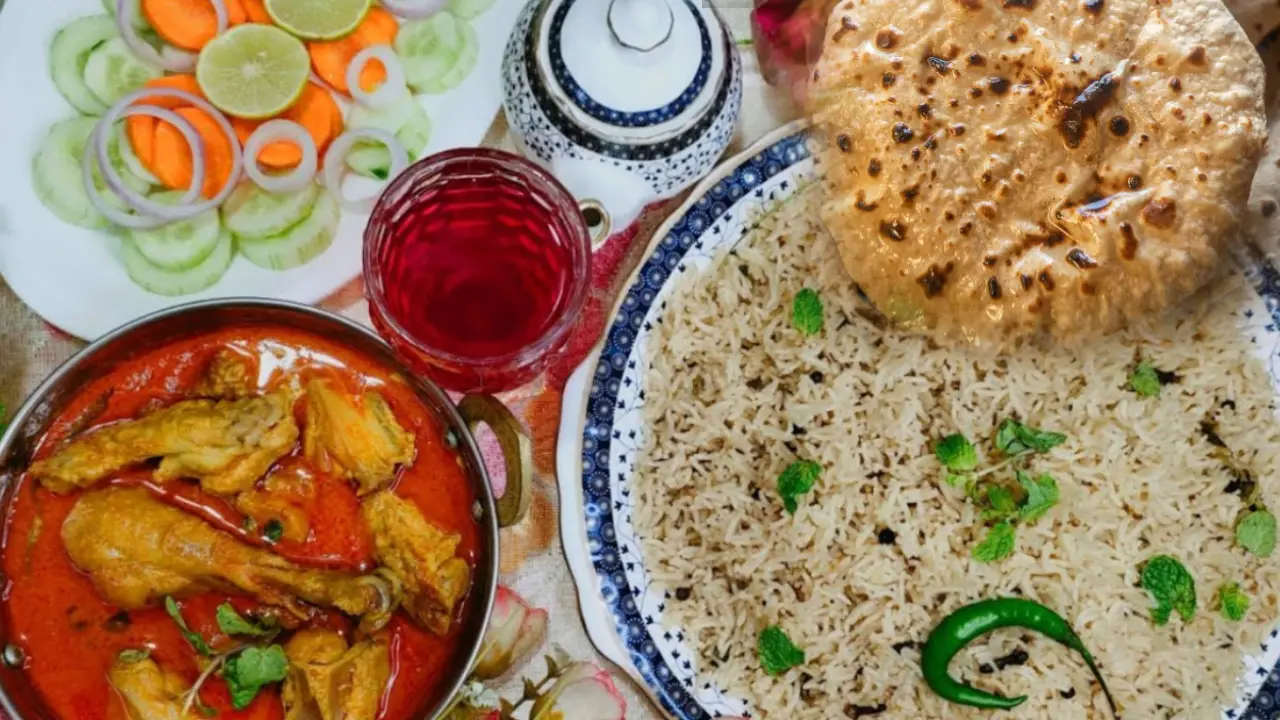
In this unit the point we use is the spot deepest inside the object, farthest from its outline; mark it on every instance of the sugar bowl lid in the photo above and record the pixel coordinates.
(632, 71)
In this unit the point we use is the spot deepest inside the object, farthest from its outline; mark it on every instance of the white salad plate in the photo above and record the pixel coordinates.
(72, 277)
(602, 434)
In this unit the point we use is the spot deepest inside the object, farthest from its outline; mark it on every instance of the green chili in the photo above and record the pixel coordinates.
(973, 621)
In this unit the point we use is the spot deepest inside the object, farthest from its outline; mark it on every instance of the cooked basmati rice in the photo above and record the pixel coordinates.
(735, 394)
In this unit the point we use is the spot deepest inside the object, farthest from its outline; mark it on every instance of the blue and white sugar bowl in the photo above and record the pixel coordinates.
(626, 101)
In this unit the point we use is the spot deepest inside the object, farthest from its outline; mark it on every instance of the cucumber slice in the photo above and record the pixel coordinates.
(370, 160)
(469, 9)
(252, 213)
(300, 244)
(437, 53)
(416, 133)
(374, 160)
(179, 245)
(57, 176)
(164, 282)
(113, 71)
(70, 53)
(126, 161)
(139, 20)
(390, 119)
(407, 120)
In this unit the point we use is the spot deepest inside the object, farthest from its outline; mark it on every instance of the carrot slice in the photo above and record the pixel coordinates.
(236, 13)
(172, 162)
(141, 128)
(330, 59)
(314, 111)
(188, 24)
(256, 11)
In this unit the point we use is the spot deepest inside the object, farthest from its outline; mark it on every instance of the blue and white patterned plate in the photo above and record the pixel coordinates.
(601, 435)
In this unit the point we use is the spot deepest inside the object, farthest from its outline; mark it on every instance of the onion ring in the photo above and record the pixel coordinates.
(170, 58)
(275, 131)
(391, 91)
(189, 207)
(126, 194)
(335, 160)
(413, 9)
(130, 157)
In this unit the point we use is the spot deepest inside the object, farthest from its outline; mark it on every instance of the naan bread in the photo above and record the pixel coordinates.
(997, 170)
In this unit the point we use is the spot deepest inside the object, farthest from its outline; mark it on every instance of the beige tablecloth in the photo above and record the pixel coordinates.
(533, 562)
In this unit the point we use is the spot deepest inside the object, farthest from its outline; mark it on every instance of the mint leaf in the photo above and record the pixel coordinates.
(796, 480)
(197, 642)
(252, 669)
(806, 312)
(1256, 533)
(956, 453)
(273, 531)
(1001, 504)
(1014, 438)
(1232, 602)
(232, 623)
(1042, 495)
(776, 651)
(998, 545)
(1171, 586)
(131, 655)
(1145, 380)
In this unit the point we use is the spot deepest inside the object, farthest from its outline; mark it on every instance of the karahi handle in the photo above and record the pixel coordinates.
(517, 452)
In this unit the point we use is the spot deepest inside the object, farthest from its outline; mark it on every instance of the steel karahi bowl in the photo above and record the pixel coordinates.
(17, 695)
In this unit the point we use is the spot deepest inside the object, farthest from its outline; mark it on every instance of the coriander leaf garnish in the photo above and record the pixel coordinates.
(4, 424)
(1232, 602)
(132, 655)
(252, 669)
(956, 453)
(1144, 381)
(273, 531)
(776, 651)
(959, 480)
(806, 312)
(197, 642)
(797, 480)
(232, 623)
(1042, 495)
(1001, 502)
(1256, 532)
(998, 545)
(1013, 438)
(1171, 586)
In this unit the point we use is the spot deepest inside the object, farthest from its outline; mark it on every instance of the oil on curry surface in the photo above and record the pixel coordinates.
(254, 523)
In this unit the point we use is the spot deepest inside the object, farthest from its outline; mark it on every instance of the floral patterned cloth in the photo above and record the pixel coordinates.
(532, 561)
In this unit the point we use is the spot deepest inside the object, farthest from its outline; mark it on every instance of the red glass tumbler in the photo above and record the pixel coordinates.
(477, 264)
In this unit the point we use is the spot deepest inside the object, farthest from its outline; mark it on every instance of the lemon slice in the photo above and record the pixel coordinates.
(253, 71)
(318, 19)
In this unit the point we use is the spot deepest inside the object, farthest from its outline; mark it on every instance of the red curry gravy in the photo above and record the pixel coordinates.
(70, 635)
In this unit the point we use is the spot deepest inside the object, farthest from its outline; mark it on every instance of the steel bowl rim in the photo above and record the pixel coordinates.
(490, 521)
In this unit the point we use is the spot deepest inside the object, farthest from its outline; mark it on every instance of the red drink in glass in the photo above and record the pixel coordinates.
(477, 263)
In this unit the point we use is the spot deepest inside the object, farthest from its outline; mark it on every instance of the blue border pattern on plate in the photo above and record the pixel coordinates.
(675, 694)
(641, 118)
(668, 674)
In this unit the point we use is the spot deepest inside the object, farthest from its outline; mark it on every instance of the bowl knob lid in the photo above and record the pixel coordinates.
(642, 25)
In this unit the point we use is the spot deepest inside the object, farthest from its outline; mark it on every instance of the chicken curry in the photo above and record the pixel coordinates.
(248, 524)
